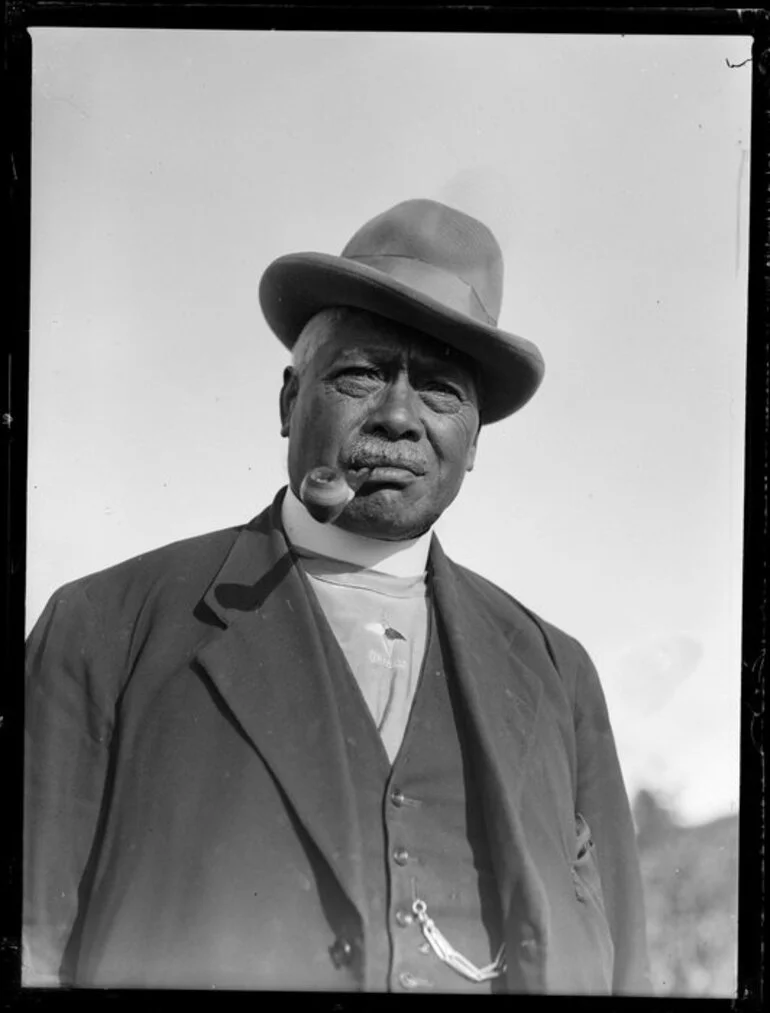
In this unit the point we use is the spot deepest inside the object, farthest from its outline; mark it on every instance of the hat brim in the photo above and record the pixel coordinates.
(297, 286)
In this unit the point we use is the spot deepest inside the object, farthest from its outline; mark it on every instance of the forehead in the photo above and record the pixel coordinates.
(357, 335)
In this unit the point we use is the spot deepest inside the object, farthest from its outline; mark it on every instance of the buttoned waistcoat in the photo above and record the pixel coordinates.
(422, 831)
(190, 818)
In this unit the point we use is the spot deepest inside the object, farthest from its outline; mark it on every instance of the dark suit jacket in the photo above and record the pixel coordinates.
(189, 813)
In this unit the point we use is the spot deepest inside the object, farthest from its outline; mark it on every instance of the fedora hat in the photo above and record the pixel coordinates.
(424, 265)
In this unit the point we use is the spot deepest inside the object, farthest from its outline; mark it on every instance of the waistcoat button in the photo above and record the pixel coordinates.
(400, 856)
(341, 952)
(404, 918)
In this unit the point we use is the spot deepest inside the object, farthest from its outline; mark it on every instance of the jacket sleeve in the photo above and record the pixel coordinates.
(68, 724)
(602, 800)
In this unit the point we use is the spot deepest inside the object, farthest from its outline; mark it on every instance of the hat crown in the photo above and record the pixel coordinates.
(442, 237)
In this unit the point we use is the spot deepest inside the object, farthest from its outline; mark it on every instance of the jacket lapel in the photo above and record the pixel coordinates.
(502, 696)
(269, 666)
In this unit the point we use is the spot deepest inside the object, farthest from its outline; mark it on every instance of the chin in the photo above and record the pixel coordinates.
(377, 517)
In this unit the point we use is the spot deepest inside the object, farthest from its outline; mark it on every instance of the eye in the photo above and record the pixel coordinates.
(441, 387)
(356, 379)
(444, 395)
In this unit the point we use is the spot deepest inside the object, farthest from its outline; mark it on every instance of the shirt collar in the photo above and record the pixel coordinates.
(400, 559)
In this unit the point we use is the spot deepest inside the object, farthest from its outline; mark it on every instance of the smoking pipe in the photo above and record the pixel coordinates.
(326, 491)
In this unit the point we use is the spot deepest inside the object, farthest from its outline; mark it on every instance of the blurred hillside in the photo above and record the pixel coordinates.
(690, 878)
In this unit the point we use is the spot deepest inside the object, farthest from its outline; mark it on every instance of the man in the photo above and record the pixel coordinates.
(297, 755)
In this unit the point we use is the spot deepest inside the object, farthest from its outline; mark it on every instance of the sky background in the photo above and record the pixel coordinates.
(171, 167)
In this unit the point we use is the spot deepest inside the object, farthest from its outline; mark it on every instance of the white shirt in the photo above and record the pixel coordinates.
(373, 594)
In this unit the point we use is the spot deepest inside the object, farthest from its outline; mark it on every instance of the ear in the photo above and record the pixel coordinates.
(288, 397)
(470, 460)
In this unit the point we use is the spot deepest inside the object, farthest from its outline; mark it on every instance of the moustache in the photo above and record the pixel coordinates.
(369, 456)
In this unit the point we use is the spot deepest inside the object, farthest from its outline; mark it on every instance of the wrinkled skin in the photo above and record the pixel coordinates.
(377, 392)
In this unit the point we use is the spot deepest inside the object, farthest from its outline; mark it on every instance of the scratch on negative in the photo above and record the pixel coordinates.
(739, 202)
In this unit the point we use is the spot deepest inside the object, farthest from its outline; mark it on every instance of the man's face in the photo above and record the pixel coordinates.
(381, 395)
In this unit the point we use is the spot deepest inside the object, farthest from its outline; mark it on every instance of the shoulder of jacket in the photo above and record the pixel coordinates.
(167, 565)
(563, 648)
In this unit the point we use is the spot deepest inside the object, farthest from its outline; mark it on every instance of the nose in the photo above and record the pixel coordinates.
(397, 415)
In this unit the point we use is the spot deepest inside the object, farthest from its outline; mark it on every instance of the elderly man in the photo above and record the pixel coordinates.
(306, 755)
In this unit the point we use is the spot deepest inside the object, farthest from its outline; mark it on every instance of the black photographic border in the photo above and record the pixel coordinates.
(17, 70)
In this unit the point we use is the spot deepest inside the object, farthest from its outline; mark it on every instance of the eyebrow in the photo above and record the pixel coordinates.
(384, 355)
